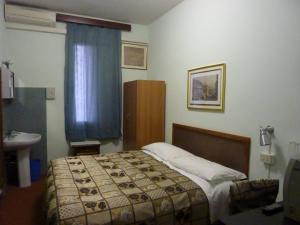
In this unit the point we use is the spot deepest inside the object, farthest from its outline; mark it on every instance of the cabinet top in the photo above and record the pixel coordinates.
(145, 81)
(84, 143)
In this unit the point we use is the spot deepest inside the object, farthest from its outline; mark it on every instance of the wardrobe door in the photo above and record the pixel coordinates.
(129, 115)
(157, 105)
(150, 112)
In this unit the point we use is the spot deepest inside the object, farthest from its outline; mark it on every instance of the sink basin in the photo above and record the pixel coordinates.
(21, 143)
(19, 140)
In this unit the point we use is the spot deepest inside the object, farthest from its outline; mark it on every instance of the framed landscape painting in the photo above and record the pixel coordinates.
(206, 87)
(134, 55)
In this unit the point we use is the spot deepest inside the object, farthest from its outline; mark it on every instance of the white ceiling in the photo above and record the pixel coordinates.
(131, 11)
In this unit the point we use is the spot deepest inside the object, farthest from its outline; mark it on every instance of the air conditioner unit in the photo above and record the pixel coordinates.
(27, 15)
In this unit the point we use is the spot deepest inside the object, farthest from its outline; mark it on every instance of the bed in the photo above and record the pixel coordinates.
(141, 187)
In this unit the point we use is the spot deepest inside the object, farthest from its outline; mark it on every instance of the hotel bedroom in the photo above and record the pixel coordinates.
(149, 112)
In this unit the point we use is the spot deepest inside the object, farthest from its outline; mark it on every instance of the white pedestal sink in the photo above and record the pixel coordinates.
(21, 143)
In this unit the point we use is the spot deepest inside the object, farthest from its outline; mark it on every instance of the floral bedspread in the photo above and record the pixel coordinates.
(121, 188)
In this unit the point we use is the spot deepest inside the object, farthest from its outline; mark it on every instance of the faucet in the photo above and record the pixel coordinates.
(8, 132)
(11, 133)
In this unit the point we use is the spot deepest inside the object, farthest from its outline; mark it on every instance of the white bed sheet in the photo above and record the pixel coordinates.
(217, 194)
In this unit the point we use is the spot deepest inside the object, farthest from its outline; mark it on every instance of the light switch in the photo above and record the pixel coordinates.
(50, 93)
(294, 149)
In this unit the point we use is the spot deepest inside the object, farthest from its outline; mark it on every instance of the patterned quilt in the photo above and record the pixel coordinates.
(121, 188)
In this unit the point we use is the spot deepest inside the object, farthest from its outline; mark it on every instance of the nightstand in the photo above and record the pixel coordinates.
(85, 147)
(256, 217)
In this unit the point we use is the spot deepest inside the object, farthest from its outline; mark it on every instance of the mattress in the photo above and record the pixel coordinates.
(122, 188)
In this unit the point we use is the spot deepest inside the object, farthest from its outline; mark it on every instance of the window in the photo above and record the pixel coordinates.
(92, 83)
(81, 79)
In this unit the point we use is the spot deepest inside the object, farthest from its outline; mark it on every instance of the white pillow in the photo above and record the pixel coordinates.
(205, 169)
(166, 151)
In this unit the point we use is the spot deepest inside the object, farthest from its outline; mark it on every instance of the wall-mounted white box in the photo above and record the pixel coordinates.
(7, 80)
(267, 158)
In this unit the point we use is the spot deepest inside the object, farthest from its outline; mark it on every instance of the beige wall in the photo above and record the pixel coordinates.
(260, 43)
(1, 30)
(38, 61)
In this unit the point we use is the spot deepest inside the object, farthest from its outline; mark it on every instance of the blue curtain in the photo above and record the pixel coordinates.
(92, 83)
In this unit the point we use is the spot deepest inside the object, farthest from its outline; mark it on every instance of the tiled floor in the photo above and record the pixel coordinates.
(23, 206)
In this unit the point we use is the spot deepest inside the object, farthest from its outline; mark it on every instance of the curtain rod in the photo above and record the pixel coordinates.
(60, 17)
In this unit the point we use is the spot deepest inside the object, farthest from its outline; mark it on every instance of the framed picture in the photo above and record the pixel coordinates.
(134, 55)
(206, 87)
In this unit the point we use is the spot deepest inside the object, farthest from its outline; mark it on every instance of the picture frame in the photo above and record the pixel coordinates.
(206, 87)
(134, 55)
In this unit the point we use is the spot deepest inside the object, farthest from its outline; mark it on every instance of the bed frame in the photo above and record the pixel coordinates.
(226, 149)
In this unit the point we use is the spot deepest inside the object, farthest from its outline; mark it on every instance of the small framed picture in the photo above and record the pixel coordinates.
(134, 55)
(206, 87)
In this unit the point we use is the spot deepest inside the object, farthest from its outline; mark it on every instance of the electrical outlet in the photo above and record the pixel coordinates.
(267, 158)
(50, 93)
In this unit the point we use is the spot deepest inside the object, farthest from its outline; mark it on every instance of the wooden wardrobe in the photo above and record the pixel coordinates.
(143, 113)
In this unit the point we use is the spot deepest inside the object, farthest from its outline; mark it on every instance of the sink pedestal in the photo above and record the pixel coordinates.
(21, 143)
(24, 167)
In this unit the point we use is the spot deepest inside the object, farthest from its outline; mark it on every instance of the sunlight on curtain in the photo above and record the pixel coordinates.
(80, 82)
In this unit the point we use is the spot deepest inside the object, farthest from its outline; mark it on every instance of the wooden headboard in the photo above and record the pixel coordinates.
(226, 149)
